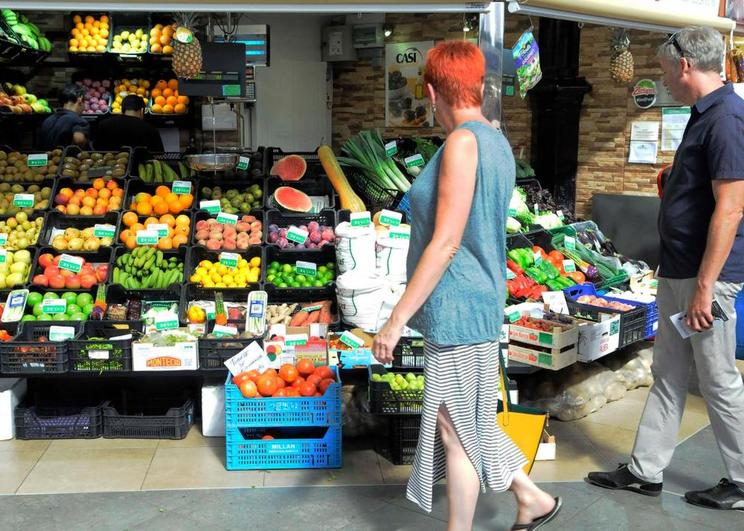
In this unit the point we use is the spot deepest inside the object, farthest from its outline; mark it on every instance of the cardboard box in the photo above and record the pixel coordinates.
(213, 410)
(291, 343)
(558, 337)
(347, 355)
(543, 357)
(596, 340)
(182, 356)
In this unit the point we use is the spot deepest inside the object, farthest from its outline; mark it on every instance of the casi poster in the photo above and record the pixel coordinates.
(526, 56)
(406, 103)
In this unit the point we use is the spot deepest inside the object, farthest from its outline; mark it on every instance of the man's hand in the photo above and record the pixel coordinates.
(385, 342)
(699, 316)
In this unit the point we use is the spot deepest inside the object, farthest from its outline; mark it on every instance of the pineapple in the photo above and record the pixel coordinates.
(621, 62)
(187, 53)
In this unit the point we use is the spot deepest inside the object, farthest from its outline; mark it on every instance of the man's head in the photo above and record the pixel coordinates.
(71, 97)
(133, 105)
(691, 60)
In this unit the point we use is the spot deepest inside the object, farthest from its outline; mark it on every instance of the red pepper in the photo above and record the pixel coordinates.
(537, 249)
(511, 264)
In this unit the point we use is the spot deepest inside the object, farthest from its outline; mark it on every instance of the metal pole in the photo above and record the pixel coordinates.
(491, 42)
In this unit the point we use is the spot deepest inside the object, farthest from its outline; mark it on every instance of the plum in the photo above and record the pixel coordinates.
(304, 227)
(283, 233)
(313, 226)
(312, 245)
(300, 246)
(273, 227)
(282, 242)
(327, 235)
(315, 236)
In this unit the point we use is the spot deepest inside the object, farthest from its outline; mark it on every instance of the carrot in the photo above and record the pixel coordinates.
(299, 319)
(325, 316)
(312, 317)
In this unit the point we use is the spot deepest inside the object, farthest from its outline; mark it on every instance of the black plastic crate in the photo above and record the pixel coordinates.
(313, 188)
(69, 24)
(194, 292)
(147, 417)
(325, 217)
(26, 354)
(48, 183)
(402, 439)
(293, 296)
(120, 295)
(75, 151)
(104, 355)
(58, 220)
(374, 196)
(171, 158)
(203, 215)
(67, 182)
(325, 255)
(409, 353)
(181, 253)
(197, 254)
(314, 167)
(225, 185)
(130, 21)
(136, 186)
(58, 422)
(59, 292)
(384, 401)
(54, 157)
(100, 257)
(213, 352)
(32, 217)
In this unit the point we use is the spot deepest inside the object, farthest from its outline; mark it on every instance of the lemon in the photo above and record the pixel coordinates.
(256, 261)
(206, 264)
(220, 285)
(215, 276)
(195, 278)
(253, 277)
(228, 279)
(201, 271)
(207, 283)
(222, 269)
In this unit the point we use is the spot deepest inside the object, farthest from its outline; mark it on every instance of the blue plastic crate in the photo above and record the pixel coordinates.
(288, 449)
(739, 307)
(405, 207)
(241, 412)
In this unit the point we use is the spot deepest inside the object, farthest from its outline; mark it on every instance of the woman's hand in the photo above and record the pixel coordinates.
(385, 342)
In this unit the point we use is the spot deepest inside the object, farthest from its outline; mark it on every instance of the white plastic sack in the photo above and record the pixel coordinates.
(355, 249)
(391, 258)
(360, 298)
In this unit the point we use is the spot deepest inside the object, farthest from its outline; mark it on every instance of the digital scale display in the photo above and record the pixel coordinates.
(256, 41)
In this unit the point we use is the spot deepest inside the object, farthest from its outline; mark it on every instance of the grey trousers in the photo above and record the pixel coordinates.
(713, 355)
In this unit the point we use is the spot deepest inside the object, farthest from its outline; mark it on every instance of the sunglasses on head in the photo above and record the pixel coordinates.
(674, 42)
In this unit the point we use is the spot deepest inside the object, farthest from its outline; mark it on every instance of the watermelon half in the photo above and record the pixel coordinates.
(289, 168)
(292, 200)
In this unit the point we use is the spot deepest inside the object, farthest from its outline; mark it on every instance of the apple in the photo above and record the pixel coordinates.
(102, 273)
(56, 281)
(39, 280)
(88, 280)
(45, 260)
(72, 282)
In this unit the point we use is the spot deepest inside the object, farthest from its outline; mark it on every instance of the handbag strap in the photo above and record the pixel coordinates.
(505, 397)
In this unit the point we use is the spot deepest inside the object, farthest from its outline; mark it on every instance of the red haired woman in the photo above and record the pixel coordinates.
(455, 298)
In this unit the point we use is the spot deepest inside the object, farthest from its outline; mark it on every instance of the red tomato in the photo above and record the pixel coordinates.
(556, 255)
(238, 379)
(270, 372)
(324, 372)
(298, 382)
(307, 389)
(248, 389)
(288, 373)
(305, 367)
(280, 392)
(280, 384)
(324, 384)
(267, 438)
(314, 379)
(267, 385)
(253, 375)
(292, 391)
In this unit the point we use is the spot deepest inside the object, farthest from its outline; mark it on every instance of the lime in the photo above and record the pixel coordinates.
(283, 285)
(78, 317)
(322, 270)
(331, 266)
(44, 317)
(84, 299)
(274, 266)
(87, 308)
(318, 284)
(37, 309)
(300, 278)
(294, 284)
(307, 284)
(70, 297)
(50, 295)
(287, 268)
(34, 298)
(59, 317)
(73, 308)
(270, 278)
(28, 318)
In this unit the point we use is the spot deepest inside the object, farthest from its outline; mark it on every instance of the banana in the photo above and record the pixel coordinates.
(168, 174)
(148, 264)
(142, 172)
(158, 177)
(183, 170)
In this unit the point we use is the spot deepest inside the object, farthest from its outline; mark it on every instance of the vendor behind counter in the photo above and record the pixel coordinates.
(127, 129)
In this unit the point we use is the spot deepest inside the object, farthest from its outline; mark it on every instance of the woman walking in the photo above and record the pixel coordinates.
(455, 298)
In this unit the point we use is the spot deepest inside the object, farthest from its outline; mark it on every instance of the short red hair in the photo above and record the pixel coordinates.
(456, 70)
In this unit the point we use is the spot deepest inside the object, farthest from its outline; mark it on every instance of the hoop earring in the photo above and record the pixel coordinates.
(434, 108)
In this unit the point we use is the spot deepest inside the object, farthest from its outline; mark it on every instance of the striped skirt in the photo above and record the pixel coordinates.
(464, 379)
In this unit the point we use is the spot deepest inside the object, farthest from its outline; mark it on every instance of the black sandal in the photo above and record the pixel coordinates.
(537, 523)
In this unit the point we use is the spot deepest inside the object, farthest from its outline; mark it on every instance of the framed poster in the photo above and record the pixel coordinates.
(406, 104)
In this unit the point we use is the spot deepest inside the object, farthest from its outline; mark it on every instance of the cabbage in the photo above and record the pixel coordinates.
(519, 210)
(512, 225)
(548, 221)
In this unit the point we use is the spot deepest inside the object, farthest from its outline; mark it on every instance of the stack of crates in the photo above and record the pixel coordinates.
(283, 432)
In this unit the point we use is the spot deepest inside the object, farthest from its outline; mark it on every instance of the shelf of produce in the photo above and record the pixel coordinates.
(250, 191)
(214, 240)
(199, 254)
(320, 189)
(277, 224)
(138, 261)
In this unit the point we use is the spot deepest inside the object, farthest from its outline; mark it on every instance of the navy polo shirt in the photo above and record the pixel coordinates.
(57, 130)
(712, 148)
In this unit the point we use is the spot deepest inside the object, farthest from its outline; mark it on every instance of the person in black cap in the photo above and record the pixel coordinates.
(66, 127)
(128, 129)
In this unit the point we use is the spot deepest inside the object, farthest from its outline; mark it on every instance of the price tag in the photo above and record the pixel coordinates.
(23, 200)
(414, 161)
(560, 215)
(3, 256)
(160, 228)
(537, 258)
(349, 339)
(71, 263)
(243, 163)
(146, 237)
(295, 339)
(400, 233)
(166, 321)
(537, 210)
(227, 219)
(360, 219)
(308, 269)
(514, 317)
(391, 148)
(225, 331)
(556, 300)
(512, 212)
(390, 218)
(570, 243)
(510, 274)
(229, 259)
(313, 308)
(3, 238)
(37, 160)
(103, 230)
(211, 206)
(181, 187)
(61, 333)
(52, 306)
(297, 235)
(99, 354)
(569, 266)
(256, 310)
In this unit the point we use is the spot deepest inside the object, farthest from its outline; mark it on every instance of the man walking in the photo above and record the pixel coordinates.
(701, 261)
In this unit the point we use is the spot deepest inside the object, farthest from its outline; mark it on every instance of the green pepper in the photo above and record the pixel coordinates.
(567, 282)
(536, 275)
(523, 257)
(549, 269)
(554, 285)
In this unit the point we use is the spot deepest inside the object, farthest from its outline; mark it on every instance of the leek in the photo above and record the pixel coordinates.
(366, 151)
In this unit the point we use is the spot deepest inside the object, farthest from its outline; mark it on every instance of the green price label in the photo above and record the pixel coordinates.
(391, 148)
(297, 235)
(296, 340)
(231, 91)
(569, 266)
(52, 306)
(560, 215)
(71, 263)
(537, 257)
(360, 219)
(349, 339)
(313, 308)
(212, 206)
(37, 160)
(181, 187)
(512, 212)
(229, 259)
(23, 200)
(61, 333)
(308, 269)
(390, 218)
(160, 228)
(400, 233)
(227, 219)
(3, 238)
(514, 317)
(414, 161)
(224, 331)
(146, 237)
(104, 231)
(166, 323)
(3, 256)
(570, 243)
(243, 163)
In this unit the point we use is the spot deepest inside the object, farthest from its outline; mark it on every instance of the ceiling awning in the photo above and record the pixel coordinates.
(254, 6)
(634, 14)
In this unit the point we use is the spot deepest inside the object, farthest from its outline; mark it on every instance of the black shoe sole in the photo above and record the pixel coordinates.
(696, 504)
(637, 490)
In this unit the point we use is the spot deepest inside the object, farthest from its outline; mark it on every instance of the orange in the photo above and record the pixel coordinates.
(173, 84)
(183, 100)
(157, 109)
(175, 207)
(99, 183)
(129, 219)
(167, 50)
(124, 235)
(182, 229)
(151, 219)
(161, 84)
(164, 39)
(162, 191)
(165, 244)
(137, 226)
(144, 209)
(171, 100)
(142, 197)
(160, 208)
(180, 239)
(160, 100)
(156, 92)
(169, 220)
(167, 109)
(171, 198)
(131, 242)
(179, 108)
(167, 92)
(186, 200)
(183, 220)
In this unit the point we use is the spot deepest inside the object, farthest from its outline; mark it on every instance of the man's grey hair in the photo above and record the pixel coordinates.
(702, 47)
